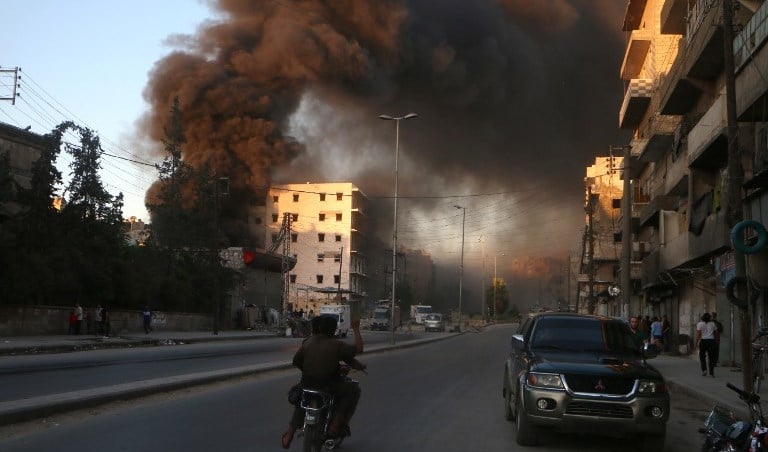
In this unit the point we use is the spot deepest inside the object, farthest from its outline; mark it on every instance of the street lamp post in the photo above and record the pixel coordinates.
(397, 120)
(461, 268)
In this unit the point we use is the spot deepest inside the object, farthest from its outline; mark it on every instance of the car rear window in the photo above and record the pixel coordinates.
(582, 334)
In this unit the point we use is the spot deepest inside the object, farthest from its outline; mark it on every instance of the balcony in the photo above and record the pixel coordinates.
(673, 17)
(707, 141)
(636, 101)
(676, 177)
(634, 56)
(651, 212)
(678, 93)
(674, 253)
(662, 136)
(751, 57)
(634, 15)
(714, 237)
(704, 36)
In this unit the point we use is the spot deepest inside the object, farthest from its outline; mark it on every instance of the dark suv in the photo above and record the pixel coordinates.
(585, 374)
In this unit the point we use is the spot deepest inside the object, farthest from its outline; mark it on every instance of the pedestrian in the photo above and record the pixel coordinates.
(656, 336)
(718, 333)
(666, 332)
(99, 321)
(79, 314)
(637, 335)
(72, 322)
(146, 314)
(105, 321)
(705, 340)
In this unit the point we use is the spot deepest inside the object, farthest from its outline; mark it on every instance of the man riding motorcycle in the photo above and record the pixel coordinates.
(318, 359)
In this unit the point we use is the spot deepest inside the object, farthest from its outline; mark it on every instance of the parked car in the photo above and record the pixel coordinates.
(434, 322)
(584, 374)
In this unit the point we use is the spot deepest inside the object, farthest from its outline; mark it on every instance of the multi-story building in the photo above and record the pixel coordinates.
(327, 237)
(600, 252)
(675, 104)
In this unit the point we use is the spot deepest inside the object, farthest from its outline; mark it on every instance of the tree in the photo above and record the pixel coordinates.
(498, 305)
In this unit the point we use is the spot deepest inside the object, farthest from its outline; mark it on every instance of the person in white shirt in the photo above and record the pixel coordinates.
(705, 341)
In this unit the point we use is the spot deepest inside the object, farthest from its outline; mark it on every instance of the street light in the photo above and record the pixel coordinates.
(461, 268)
(397, 120)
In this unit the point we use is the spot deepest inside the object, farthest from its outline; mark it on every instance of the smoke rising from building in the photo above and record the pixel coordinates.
(515, 98)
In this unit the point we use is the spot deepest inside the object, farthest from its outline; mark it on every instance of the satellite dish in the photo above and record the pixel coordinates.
(614, 290)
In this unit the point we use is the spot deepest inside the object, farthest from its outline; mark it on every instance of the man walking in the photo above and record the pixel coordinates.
(147, 315)
(79, 315)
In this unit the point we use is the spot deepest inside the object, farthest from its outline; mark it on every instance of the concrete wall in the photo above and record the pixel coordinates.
(47, 320)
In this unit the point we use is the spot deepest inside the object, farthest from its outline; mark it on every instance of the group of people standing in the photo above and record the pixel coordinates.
(97, 321)
(654, 330)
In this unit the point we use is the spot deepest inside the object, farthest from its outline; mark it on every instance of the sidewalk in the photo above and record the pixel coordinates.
(24, 345)
(683, 375)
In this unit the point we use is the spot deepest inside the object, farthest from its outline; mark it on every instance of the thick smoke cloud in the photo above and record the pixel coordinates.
(514, 97)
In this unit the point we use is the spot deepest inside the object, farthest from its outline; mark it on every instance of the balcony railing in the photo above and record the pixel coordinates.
(751, 38)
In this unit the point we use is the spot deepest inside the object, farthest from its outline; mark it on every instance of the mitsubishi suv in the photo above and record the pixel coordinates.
(584, 374)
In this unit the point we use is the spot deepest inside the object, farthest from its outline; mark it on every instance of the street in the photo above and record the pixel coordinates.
(442, 396)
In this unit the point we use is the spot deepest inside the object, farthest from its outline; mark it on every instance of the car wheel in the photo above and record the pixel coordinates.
(526, 432)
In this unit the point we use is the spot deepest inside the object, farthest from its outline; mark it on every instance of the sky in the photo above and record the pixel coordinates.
(515, 99)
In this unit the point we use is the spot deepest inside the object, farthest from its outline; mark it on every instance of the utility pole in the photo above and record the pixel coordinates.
(338, 289)
(591, 268)
(735, 210)
(626, 234)
(15, 84)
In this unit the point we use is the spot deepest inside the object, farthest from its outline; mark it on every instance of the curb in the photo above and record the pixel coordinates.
(17, 411)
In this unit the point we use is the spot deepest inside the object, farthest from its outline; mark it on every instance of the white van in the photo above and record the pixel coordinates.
(343, 316)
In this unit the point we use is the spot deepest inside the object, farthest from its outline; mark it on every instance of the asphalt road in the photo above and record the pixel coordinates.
(443, 396)
(39, 375)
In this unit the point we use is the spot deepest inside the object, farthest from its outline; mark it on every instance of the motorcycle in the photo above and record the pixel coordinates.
(723, 432)
(318, 409)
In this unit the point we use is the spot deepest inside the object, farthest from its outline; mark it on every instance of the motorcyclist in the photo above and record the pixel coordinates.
(318, 359)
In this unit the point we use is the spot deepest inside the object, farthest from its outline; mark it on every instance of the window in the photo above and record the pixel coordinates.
(322, 196)
(257, 220)
(274, 218)
(295, 216)
(321, 217)
(294, 238)
(320, 257)
(274, 237)
(295, 198)
(338, 237)
(319, 279)
(338, 217)
(293, 279)
(274, 198)
(339, 196)
(337, 258)
(336, 279)
(321, 237)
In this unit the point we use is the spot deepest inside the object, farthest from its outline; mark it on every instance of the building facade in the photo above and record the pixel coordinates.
(328, 227)
(674, 72)
(600, 253)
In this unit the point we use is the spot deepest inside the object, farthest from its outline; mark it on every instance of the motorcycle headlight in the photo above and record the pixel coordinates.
(548, 381)
(651, 387)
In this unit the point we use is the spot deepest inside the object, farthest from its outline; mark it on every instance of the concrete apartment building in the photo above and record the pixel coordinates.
(23, 149)
(598, 269)
(675, 104)
(327, 237)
